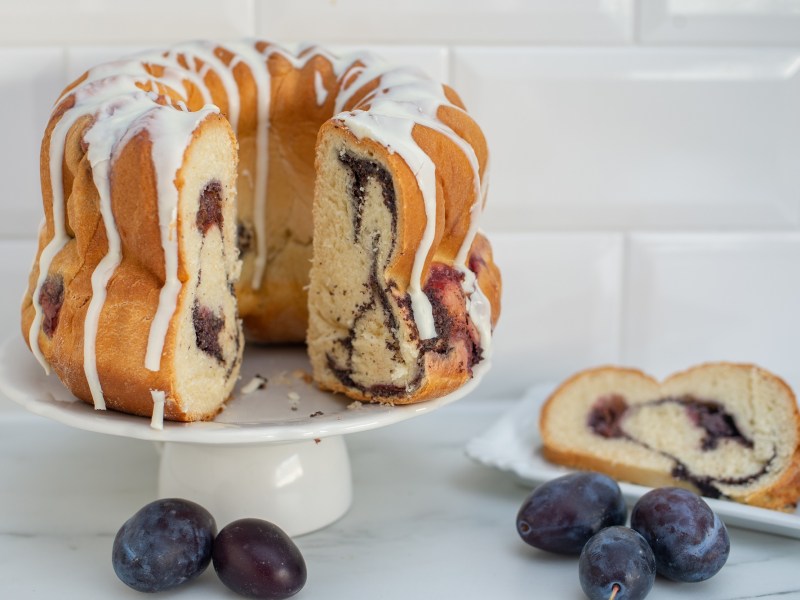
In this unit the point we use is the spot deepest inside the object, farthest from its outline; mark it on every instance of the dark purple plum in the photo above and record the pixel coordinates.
(255, 558)
(562, 514)
(689, 541)
(617, 558)
(165, 544)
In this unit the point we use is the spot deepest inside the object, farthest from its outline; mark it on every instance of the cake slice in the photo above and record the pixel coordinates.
(724, 430)
(136, 311)
(373, 334)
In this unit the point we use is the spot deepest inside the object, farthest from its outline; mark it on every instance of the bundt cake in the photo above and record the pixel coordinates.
(320, 199)
(725, 430)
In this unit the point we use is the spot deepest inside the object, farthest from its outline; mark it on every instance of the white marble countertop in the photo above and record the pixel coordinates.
(426, 522)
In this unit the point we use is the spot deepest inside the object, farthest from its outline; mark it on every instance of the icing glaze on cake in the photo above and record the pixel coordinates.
(169, 94)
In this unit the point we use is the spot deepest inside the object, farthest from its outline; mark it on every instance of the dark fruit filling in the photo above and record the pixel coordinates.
(207, 327)
(210, 211)
(51, 299)
(244, 237)
(716, 421)
(605, 418)
(608, 412)
(446, 296)
(476, 263)
(443, 289)
(362, 170)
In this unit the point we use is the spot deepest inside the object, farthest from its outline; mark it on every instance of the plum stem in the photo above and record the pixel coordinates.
(616, 589)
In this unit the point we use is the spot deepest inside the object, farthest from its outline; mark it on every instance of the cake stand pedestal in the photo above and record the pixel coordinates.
(303, 486)
(276, 453)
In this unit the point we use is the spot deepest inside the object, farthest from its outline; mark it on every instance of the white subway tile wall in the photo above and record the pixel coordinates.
(645, 191)
(561, 305)
(769, 22)
(448, 21)
(111, 22)
(700, 296)
(30, 80)
(651, 138)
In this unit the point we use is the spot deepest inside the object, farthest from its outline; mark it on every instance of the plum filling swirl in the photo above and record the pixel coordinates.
(443, 289)
(210, 212)
(51, 298)
(207, 327)
(607, 418)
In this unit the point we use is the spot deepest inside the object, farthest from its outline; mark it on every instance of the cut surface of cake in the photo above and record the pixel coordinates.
(181, 216)
(723, 429)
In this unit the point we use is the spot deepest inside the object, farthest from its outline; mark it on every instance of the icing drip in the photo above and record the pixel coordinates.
(60, 237)
(479, 309)
(319, 88)
(171, 134)
(204, 51)
(159, 398)
(111, 122)
(257, 62)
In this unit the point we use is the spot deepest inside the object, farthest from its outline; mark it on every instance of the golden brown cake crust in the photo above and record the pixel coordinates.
(780, 494)
(133, 290)
(275, 240)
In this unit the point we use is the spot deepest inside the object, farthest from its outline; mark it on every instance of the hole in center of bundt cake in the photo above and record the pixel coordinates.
(605, 418)
(207, 327)
(51, 299)
(210, 211)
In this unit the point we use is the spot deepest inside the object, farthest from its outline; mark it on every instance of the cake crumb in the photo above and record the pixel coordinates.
(301, 374)
(293, 396)
(256, 383)
(317, 440)
(355, 405)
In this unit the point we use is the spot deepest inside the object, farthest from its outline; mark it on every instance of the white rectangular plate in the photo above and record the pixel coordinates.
(513, 444)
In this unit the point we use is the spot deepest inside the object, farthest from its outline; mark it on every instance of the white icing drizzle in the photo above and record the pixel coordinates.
(111, 122)
(479, 309)
(159, 399)
(58, 141)
(204, 51)
(171, 134)
(257, 62)
(120, 110)
(319, 88)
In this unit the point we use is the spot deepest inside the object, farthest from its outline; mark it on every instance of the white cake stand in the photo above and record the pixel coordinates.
(277, 453)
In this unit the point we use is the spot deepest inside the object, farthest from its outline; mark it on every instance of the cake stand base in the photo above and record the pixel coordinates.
(300, 486)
